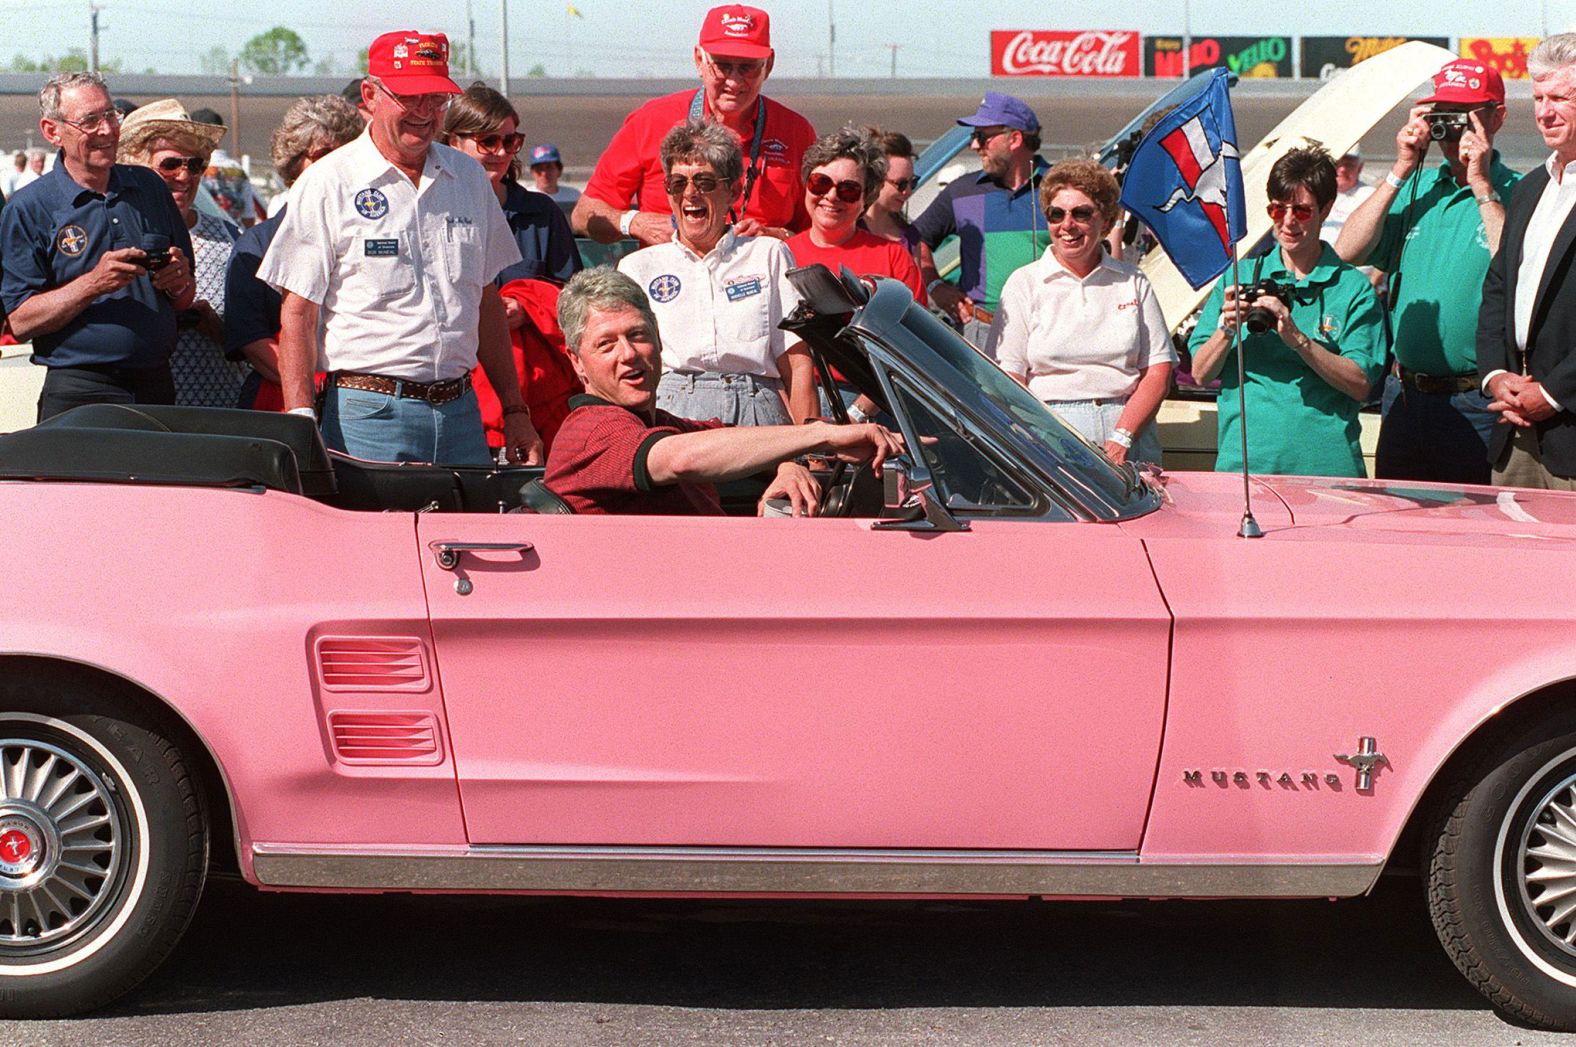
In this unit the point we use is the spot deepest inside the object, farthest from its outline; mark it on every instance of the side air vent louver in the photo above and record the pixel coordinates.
(395, 663)
(366, 737)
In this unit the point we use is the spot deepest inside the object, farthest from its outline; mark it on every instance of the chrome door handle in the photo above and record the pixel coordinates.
(447, 554)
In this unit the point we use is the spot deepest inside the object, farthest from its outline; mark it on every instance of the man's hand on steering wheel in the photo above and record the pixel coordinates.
(793, 482)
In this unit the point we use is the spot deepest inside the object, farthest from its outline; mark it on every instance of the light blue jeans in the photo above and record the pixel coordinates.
(384, 428)
(733, 399)
(1096, 420)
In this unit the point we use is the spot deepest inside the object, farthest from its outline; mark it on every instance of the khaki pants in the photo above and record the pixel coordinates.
(1519, 466)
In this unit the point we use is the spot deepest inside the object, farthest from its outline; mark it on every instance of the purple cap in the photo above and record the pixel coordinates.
(999, 110)
(545, 154)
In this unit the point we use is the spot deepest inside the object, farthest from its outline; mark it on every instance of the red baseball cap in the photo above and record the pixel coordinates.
(736, 31)
(1467, 82)
(410, 62)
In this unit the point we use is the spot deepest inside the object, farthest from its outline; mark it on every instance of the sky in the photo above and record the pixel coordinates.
(945, 38)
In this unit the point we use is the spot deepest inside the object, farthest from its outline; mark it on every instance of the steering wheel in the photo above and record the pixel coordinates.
(835, 500)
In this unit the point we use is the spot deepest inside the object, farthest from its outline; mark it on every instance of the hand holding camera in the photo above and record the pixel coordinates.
(1247, 306)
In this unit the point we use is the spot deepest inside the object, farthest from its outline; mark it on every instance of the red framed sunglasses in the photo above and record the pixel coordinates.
(1301, 212)
(848, 190)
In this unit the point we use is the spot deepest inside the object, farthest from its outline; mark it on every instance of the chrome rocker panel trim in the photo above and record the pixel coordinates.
(721, 870)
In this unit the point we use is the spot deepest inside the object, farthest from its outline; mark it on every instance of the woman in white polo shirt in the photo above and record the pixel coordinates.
(719, 296)
(1082, 330)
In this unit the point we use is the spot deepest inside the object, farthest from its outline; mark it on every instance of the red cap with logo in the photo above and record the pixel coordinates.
(1467, 82)
(410, 62)
(736, 31)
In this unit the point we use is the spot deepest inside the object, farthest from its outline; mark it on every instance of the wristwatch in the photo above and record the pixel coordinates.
(1490, 197)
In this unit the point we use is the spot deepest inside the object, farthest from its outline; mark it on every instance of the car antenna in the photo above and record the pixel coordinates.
(1249, 527)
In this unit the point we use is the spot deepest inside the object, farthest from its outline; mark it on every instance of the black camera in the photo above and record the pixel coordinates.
(1447, 127)
(1260, 319)
(156, 248)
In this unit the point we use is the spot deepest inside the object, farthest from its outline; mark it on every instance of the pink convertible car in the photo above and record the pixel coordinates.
(1007, 668)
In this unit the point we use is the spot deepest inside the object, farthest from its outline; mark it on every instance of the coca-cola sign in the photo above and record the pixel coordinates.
(1065, 52)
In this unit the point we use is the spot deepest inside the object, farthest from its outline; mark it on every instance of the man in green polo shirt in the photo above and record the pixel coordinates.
(1434, 229)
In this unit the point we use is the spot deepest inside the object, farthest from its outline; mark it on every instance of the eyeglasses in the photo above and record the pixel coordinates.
(106, 120)
(1301, 212)
(193, 164)
(1081, 215)
(740, 70)
(703, 183)
(848, 190)
(490, 143)
(904, 185)
(412, 103)
(982, 135)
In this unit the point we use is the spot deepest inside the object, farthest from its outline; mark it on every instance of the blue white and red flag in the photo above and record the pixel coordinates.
(1185, 183)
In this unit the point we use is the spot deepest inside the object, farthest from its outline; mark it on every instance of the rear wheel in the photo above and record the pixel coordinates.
(103, 848)
(1502, 875)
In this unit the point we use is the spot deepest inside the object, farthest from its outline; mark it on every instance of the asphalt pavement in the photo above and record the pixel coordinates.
(370, 970)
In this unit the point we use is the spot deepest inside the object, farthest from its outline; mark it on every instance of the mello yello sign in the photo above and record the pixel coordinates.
(1062, 52)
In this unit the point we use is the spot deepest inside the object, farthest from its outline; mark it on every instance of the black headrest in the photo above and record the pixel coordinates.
(147, 456)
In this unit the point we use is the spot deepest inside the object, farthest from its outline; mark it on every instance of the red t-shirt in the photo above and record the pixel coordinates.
(866, 254)
(629, 172)
(598, 463)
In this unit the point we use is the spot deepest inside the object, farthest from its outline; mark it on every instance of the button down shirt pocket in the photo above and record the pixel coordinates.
(462, 254)
(381, 268)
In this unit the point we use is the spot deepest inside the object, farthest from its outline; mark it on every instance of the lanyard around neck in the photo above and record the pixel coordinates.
(697, 111)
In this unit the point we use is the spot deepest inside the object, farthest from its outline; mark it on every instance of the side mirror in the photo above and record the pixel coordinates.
(920, 511)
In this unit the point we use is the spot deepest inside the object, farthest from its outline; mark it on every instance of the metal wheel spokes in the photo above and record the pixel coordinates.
(62, 844)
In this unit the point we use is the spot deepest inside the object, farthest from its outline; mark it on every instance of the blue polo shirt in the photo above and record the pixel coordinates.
(251, 307)
(547, 244)
(999, 230)
(54, 231)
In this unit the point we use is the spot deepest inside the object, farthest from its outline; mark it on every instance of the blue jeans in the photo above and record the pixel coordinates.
(384, 428)
(1439, 437)
(732, 399)
(1096, 420)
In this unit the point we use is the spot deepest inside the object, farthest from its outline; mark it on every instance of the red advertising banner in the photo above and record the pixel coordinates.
(1506, 55)
(1065, 52)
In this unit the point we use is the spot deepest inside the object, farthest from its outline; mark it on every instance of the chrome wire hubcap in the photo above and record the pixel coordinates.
(61, 843)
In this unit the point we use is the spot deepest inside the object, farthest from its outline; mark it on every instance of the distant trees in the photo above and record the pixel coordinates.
(75, 60)
(278, 52)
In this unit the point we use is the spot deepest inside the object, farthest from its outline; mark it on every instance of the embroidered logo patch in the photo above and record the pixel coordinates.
(73, 240)
(371, 203)
(1329, 326)
(742, 288)
(664, 288)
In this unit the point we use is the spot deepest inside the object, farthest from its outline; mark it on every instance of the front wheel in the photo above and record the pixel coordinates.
(1502, 875)
(103, 848)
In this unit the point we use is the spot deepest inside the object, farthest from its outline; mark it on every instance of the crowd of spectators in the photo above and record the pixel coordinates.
(406, 288)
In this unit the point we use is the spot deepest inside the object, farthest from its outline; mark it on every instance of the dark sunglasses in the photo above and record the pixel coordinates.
(903, 185)
(703, 183)
(985, 134)
(1081, 215)
(194, 164)
(848, 190)
(1301, 212)
(490, 143)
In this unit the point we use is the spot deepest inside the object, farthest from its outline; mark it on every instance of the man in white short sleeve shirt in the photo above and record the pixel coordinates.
(386, 259)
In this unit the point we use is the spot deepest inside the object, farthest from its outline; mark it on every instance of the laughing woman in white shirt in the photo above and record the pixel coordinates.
(1082, 330)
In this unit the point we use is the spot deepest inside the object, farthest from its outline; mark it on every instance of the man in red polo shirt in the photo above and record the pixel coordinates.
(626, 195)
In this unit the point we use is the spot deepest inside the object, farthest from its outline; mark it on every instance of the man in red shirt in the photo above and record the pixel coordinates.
(617, 453)
(626, 195)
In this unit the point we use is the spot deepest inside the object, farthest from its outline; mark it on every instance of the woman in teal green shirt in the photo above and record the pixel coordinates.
(1310, 371)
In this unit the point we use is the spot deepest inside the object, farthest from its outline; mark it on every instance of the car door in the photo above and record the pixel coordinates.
(797, 683)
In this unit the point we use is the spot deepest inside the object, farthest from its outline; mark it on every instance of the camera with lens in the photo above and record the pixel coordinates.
(1259, 319)
(1447, 127)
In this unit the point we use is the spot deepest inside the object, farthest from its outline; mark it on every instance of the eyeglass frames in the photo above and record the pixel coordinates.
(1082, 214)
(1301, 212)
(104, 120)
(904, 185)
(490, 143)
(415, 103)
(703, 183)
(741, 69)
(983, 135)
(848, 190)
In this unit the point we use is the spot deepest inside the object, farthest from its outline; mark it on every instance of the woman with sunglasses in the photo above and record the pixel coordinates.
(1310, 353)
(1082, 330)
(884, 214)
(718, 297)
(161, 135)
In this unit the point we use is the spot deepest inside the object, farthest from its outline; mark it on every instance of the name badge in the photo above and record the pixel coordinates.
(744, 289)
(382, 248)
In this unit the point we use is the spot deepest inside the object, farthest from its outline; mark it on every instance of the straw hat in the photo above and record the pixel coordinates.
(166, 118)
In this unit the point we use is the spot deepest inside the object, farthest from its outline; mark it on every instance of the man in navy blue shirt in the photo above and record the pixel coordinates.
(97, 260)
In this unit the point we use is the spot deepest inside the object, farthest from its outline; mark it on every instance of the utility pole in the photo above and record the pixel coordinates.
(894, 48)
(503, 68)
(470, 42)
(831, 42)
(235, 107)
(93, 36)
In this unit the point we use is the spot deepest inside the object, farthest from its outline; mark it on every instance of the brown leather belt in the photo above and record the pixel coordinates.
(1438, 383)
(404, 388)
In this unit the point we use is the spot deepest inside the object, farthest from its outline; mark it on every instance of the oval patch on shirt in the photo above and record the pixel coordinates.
(371, 203)
(72, 240)
(664, 288)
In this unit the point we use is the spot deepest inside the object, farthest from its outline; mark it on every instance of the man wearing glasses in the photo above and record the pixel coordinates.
(995, 215)
(390, 247)
(1433, 230)
(627, 196)
(96, 260)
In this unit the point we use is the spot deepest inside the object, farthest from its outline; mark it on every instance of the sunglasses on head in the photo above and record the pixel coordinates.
(1083, 215)
(1301, 212)
(848, 190)
(490, 143)
(903, 185)
(193, 164)
(703, 183)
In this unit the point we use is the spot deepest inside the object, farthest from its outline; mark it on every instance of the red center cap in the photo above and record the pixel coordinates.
(15, 846)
